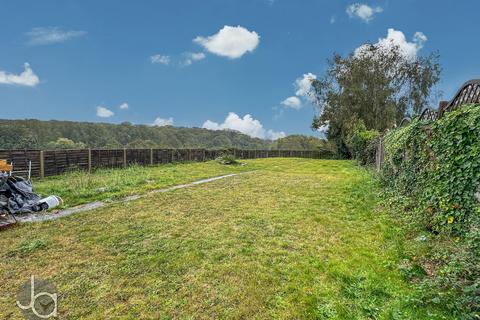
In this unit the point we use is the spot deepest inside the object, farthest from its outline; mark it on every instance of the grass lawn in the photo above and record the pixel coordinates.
(294, 239)
(78, 188)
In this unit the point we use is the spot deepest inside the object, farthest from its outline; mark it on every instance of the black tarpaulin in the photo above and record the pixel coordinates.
(16, 195)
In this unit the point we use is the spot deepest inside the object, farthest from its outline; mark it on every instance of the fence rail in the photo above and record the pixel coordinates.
(53, 162)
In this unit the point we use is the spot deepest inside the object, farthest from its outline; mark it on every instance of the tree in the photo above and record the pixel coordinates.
(141, 144)
(65, 143)
(377, 84)
(300, 142)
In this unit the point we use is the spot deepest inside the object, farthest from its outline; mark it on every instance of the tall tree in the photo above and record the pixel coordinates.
(376, 84)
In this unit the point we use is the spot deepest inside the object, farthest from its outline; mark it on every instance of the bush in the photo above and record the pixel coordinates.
(227, 159)
(435, 166)
(438, 164)
(362, 144)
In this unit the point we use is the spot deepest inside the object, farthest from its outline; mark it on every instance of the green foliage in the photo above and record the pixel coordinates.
(376, 84)
(65, 143)
(362, 144)
(35, 134)
(301, 142)
(227, 159)
(438, 163)
(141, 144)
(434, 167)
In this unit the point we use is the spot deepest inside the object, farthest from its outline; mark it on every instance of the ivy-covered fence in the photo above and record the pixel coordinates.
(432, 169)
(437, 164)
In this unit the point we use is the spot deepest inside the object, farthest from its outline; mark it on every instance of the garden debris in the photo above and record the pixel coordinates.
(17, 196)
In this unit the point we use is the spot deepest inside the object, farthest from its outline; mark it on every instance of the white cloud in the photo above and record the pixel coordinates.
(50, 35)
(275, 135)
(160, 59)
(420, 37)
(303, 88)
(303, 85)
(247, 125)
(231, 42)
(333, 19)
(362, 11)
(123, 106)
(323, 129)
(104, 112)
(26, 78)
(397, 38)
(191, 57)
(292, 102)
(160, 122)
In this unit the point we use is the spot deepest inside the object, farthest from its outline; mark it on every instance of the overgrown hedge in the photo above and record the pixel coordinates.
(433, 169)
(437, 164)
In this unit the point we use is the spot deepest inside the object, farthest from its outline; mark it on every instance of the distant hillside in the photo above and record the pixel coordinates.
(15, 134)
(301, 142)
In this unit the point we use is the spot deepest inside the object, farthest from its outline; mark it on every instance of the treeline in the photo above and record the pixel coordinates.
(36, 134)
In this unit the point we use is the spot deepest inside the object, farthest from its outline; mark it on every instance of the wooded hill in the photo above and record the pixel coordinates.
(37, 134)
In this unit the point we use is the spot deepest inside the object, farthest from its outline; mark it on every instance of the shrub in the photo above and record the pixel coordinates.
(435, 166)
(227, 159)
(438, 164)
(362, 144)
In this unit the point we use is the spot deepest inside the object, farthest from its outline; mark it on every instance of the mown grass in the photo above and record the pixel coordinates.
(295, 239)
(79, 187)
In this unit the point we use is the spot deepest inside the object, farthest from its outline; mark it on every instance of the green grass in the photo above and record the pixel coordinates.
(78, 187)
(295, 239)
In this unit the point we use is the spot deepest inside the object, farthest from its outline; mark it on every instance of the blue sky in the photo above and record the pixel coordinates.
(208, 63)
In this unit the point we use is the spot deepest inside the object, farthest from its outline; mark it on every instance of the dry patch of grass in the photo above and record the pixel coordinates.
(296, 239)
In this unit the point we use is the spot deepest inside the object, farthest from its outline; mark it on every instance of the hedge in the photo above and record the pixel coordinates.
(433, 169)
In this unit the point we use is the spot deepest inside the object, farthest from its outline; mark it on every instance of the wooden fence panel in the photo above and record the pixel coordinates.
(112, 158)
(212, 154)
(53, 162)
(138, 156)
(244, 154)
(21, 159)
(181, 155)
(60, 161)
(162, 156)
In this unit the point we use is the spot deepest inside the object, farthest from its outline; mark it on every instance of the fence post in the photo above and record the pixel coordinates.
(42, 164)
(89, 160)
(151, 156)
(124, 157)
(379, 156)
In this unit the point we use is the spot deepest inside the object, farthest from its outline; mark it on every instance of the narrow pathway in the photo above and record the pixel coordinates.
(37, 217)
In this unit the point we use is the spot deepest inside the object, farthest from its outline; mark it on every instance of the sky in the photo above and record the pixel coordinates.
(217, 64)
